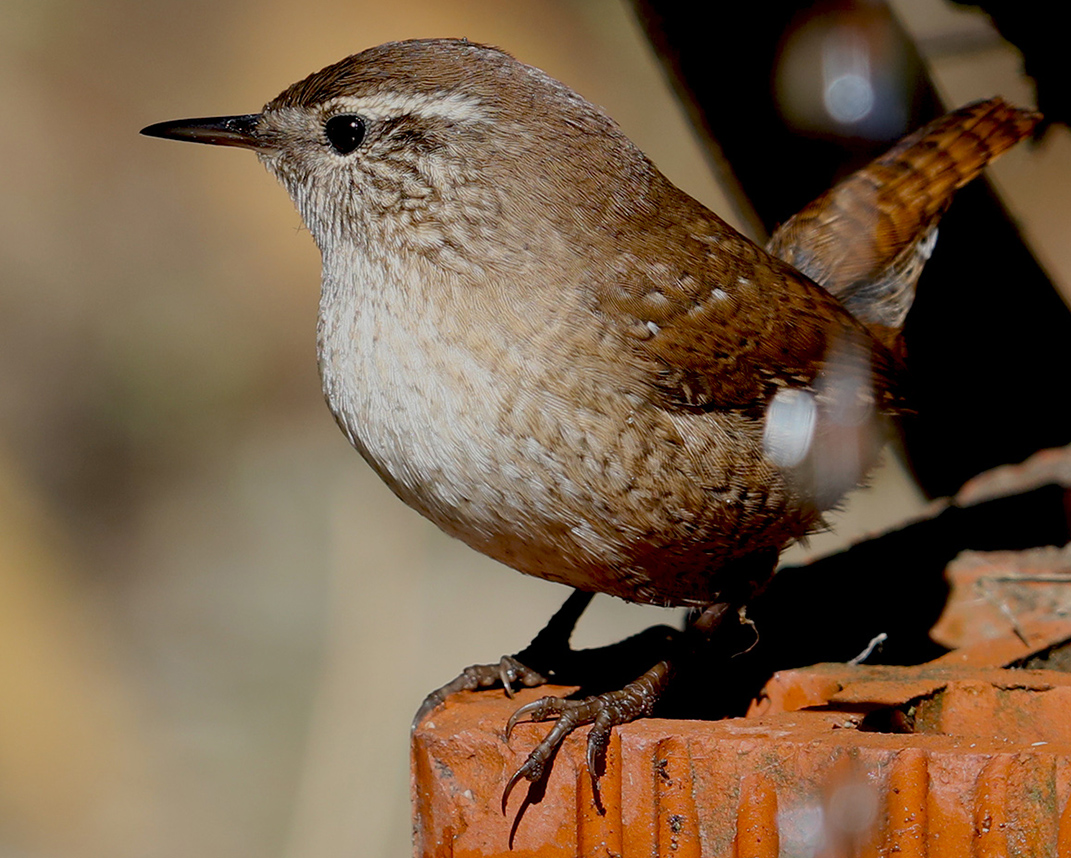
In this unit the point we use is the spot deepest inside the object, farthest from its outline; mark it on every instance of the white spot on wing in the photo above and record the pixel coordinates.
(789, 431)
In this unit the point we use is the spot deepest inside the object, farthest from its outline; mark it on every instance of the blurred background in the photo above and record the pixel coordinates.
(215, 622)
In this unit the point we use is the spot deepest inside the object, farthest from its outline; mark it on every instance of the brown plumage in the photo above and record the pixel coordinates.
(560, 358)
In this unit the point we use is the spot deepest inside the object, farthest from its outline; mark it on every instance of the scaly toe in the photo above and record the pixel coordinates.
(507, 672)
(604, 711)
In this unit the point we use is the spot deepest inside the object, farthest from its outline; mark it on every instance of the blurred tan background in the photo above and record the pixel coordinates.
(215, 623)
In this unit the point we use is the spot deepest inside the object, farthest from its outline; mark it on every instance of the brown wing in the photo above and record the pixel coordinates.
(722, 324)
(867, 239)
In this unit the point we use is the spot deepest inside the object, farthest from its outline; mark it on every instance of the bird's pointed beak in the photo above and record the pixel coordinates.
(238, 131)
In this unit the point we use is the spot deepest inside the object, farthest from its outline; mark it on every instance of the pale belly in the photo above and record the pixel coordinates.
(547, 472)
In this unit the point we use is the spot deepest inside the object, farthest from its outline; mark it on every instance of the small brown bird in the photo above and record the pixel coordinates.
(560, 358)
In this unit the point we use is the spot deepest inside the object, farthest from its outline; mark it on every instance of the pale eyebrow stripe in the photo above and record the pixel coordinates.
(388, 105)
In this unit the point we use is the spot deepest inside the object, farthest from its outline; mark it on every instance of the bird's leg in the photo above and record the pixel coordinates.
(608, 710)
(535, 665)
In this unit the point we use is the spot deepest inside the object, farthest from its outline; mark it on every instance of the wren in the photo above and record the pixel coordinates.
(560, 358)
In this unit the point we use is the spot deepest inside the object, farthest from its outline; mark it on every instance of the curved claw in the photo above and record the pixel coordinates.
(598, 739)
(550, 647)
(515, 778)
(505, 675)
(510, 671)
(535, 765)
(543, 709)
(507, 672)
(603, 711)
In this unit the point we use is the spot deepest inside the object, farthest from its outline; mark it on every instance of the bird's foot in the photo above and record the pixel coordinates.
(603, 711)
(549, 650)
(507, 673)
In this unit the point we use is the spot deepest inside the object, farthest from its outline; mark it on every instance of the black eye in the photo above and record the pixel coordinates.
(344, 132)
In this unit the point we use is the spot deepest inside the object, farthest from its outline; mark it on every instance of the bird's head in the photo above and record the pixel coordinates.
(432, 143)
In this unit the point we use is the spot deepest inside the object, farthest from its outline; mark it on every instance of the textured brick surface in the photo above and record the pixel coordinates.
(984, 770)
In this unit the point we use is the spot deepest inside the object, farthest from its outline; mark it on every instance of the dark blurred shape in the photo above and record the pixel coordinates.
(831, 610)
(890, 588)
(730, 92)
(842, 70)
(986, 339)
(1039, 31)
